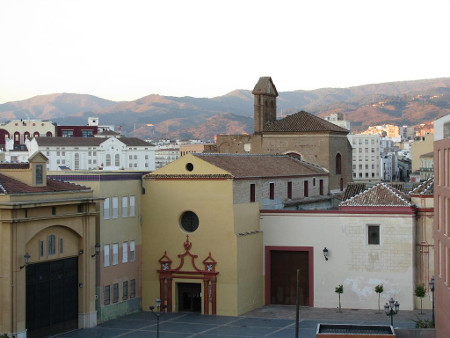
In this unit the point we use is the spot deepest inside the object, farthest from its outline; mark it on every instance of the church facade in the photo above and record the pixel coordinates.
(302, 134)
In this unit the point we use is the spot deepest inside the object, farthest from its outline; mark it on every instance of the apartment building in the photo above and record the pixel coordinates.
(365, 157)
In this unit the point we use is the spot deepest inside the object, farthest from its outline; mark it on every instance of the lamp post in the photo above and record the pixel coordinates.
(157, 314)
(392, 309)
(432, 299)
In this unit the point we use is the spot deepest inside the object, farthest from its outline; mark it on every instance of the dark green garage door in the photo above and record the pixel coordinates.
(52, 297)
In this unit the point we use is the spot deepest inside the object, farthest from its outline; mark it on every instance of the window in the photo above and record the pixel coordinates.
(125, 290)
(77, 161)
(124, 252)
(106, 255)
(125, 206)
(53, 210)
(133, 288)
(115, 292)
(289, 190)
(252, 193)
(67, 133)
(115, 258)
(61, 246)
(115, 207)
(272, 191)
(117, 160)
(51, 244)
(132, 251)
(106, 211)
(132, 206)
(41, 248)
(87, 133)
(39, 174)
(373, 234)
(106, 295)
(338, 164)
(108, 160)
(305, 189)
(314, 182)
(321, 187)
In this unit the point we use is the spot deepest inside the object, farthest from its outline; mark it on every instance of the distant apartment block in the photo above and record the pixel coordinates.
(165, 154)
(365, 157)
(338, 119)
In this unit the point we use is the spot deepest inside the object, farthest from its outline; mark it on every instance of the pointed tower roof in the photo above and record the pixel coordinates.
(381, 195)
(265, 86)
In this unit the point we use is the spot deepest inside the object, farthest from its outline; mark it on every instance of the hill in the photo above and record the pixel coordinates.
(154, 116)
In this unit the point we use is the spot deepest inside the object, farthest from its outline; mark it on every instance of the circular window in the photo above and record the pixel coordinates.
(189, 221)
(189, 167)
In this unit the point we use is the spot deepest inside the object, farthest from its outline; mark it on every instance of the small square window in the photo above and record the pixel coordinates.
(373, 234)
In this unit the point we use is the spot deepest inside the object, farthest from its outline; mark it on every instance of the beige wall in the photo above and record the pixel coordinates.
(20, 233)
(419, 148)
(352, 262)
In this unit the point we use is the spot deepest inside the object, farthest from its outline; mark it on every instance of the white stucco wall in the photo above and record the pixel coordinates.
(352, 262)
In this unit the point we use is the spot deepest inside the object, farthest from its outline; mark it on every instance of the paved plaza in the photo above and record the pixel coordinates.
(268, 321)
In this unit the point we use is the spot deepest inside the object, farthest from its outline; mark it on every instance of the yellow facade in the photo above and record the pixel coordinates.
(226, 231)
(29, 220)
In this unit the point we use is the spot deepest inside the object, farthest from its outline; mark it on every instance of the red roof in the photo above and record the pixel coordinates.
(10, 185)
(303, 122)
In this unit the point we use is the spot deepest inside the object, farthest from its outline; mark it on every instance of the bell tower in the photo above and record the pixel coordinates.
(265, 106)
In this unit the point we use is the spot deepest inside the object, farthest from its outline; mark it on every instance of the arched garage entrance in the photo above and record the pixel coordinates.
(51, 297)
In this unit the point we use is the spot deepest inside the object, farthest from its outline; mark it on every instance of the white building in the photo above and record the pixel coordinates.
(368, 241)
(87, 153)
(165, 154)
(365, 157)
(338, 119)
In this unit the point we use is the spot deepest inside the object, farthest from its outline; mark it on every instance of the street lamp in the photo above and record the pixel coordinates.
(432, 299)
(157, 314)
(392, 309)
(27, 260)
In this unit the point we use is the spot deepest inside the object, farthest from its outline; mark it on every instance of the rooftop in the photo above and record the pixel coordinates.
(256, 165)
(303, 122)
(10, 185)
(380, 195)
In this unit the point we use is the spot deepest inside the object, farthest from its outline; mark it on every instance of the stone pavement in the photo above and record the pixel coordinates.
(268, 321)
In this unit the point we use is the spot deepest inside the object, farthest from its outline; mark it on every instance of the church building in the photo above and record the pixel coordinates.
(302, 134)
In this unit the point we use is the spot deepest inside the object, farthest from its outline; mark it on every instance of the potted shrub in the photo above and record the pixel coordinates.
(339, 290)
(379, 289)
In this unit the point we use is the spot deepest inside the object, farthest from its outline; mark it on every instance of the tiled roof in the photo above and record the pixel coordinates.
(254, 165)
(425, 188)
(86, 141)
(379, 195)
(265, 86)
(353, 189)
(108, 132)
(69, 141)
(431, 154)
(8, 165)
(10, 185)
(134, 141)
(302, 122)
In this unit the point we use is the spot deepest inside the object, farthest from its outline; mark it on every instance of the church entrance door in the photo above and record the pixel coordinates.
(189, 297)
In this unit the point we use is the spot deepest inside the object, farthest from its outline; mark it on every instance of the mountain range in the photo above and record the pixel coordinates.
(156, 116)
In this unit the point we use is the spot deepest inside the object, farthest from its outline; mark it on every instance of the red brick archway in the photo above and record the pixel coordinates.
(209, 276)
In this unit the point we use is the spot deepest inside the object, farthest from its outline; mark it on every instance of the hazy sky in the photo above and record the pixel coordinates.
(123, 50)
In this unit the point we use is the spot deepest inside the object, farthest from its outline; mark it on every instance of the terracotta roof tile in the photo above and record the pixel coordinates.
(254, 165)
(302, 122)
(8, 165)
(379, 195)
(10, 185)
(425, 188)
